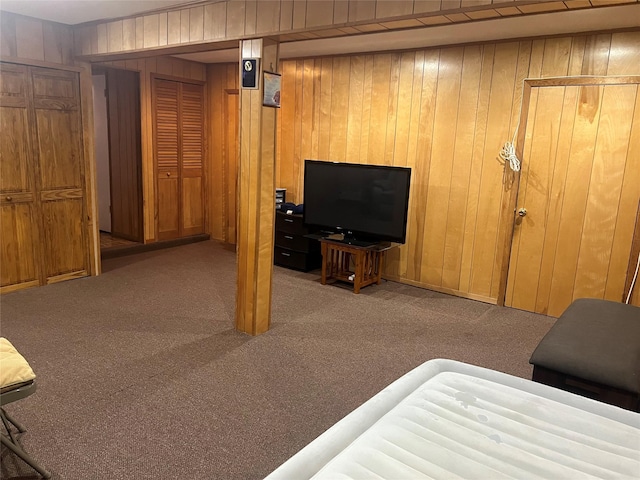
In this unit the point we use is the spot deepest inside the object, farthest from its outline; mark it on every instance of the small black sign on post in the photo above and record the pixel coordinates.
(249, 71)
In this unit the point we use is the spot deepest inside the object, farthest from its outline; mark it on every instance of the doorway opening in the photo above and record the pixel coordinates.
(116, 102)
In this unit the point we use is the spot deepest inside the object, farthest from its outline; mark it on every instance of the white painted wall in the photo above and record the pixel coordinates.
(100, 121)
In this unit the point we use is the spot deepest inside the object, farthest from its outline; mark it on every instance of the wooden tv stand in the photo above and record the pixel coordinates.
(337, 258)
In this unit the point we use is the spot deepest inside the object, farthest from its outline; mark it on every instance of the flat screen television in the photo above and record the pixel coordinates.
(367, 203)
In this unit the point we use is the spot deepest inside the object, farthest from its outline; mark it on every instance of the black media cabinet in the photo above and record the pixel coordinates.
(292, 248)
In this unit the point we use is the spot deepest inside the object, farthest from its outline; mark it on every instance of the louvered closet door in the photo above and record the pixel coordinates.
(192, 124)
(19, 259)
(167, 148)
(179, 126)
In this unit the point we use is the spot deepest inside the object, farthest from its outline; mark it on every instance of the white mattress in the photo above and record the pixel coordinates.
(447, 419)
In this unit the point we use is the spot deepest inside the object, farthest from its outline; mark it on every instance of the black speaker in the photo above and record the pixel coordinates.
(249, 73)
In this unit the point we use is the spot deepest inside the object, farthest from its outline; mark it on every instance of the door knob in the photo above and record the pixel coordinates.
(9, 198)
(522, 212)
(168, 174)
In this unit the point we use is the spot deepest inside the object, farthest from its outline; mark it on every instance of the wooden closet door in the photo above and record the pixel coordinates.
(58, 129)
(192, 141)
(19, 257)
(167, 148)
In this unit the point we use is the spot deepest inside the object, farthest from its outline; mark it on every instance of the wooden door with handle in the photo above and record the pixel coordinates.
(578, 196)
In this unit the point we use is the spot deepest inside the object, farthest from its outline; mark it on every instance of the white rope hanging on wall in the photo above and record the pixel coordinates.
(508, 155)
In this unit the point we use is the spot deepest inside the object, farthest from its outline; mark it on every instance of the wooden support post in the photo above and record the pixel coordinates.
(256, 195)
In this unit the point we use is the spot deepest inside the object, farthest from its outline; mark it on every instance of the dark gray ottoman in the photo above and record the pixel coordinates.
(593, 350)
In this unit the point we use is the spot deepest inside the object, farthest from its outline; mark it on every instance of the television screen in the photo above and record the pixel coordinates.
(368, 202)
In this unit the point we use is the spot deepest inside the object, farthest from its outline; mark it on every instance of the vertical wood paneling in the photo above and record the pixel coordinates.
(577, 55)
(315, 131)
(392, 110)
(596, 55)
(407, 256)
(103, 40)
(367, 82)
(379, 108)
(442, 148)
(307, 127)
(461, 166)
(235, 19)
(537, 175)
(481, 126)
(215, 133)
(286, 15)
(354, 117)
(250, 17)
(299, 14)
(579, 171)
(215, 20)
(510, 180)
(623, 59)
(393, 8)
(324, 122)
(631, 289)
(629, 196)
(128, 34)
(287, 118)
(8, 47)
(196, 24)
(297, 132)
(58, 44)
(360, 10)
(424, 6)
(151, 31)
(502, 86)
(222, 79)
(115, 36)
(576, 185)
(173, 27)
(185, 25)
(268, 16)
(162, 29)
(339, 108)
(340, 11)
(319, 13)
(463, 108)
(29, 38)
(396, 258)
(449, 4)
(607, 175)
(556, 197)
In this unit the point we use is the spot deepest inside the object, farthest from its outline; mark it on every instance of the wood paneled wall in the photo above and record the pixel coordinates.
(36, 40)
(635, 258)
(222, 85)
(445, 113)
(297, 20)
(171, 66)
